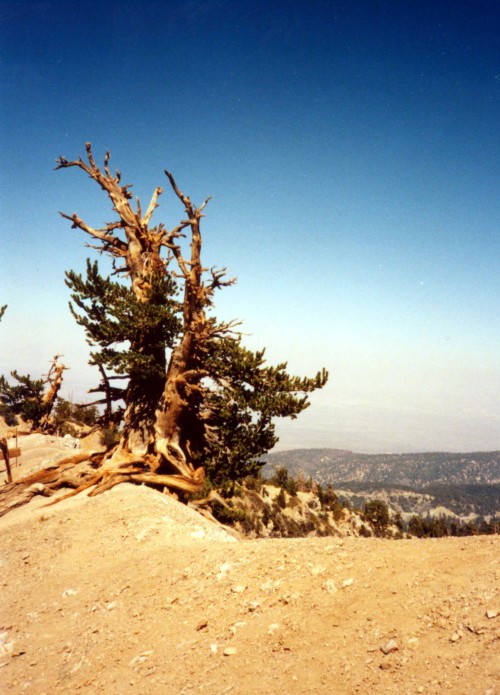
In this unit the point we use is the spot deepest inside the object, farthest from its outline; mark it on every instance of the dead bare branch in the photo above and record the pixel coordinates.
(111, 244)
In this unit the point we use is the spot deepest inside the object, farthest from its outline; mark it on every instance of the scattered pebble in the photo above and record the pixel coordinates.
(140, 658)
(237, 626)
(390, 646)
(318, 569)
(330, 586)
(270, 585)
(69, 592)
(238, 589)
(6, 645)
(223, 570)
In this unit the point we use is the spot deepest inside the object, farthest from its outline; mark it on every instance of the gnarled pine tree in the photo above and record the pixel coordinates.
(34, 399)
(194, 399)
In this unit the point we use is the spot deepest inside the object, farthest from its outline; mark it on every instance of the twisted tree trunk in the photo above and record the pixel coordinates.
(54, 380)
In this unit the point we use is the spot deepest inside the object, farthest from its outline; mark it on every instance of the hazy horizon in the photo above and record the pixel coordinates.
(351, 152)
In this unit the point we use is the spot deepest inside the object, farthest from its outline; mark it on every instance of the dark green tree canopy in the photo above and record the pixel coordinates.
(23, 398)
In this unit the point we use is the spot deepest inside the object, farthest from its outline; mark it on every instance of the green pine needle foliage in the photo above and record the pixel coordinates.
(23, 398)
(243, 399)
(118, 325)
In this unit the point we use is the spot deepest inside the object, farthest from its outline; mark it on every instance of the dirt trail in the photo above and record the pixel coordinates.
(130, 592)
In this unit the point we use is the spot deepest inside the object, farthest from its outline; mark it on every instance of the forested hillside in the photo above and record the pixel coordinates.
(431, 483)
(334, 466)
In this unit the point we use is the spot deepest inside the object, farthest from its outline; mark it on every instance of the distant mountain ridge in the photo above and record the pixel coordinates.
(433, 483)
(334, 466)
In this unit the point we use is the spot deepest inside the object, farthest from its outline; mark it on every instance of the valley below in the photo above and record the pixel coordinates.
(464, 486)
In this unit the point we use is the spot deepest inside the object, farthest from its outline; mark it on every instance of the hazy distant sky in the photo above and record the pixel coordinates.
(351, 150)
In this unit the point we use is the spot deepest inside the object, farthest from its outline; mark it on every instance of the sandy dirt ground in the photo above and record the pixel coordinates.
(131, 592)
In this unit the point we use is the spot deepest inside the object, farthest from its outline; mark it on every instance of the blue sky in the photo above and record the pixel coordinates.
(351, 150)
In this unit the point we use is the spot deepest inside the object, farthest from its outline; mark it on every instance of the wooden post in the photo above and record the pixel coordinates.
(5, 451)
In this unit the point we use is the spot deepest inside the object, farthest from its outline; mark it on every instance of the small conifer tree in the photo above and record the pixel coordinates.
(377, 514)
(33, 399)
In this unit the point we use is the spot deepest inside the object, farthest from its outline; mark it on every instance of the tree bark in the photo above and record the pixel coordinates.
(6, 457)
(73, 472)
(54, 380)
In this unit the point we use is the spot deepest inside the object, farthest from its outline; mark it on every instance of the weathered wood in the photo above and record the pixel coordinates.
(12, 496)
(54, 380)
(5, 455)
(12, 453)
(72, 472)
(158, 423)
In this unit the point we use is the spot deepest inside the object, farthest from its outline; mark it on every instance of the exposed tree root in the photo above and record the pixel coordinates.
(71, 472)
(99, 470)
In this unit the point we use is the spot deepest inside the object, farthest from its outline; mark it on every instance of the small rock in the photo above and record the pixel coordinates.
(330, 586)
(455, 637)
(214, 648)
(230, 651)
(270, 585)
(140, 658)
(318, 569)
(6, 646)
(347, 582)
(223, 570)
(237, 626)
(272, 628)
(491, 614)
(252, 606)
(69, 592)
(390, 646)
(238, 589)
